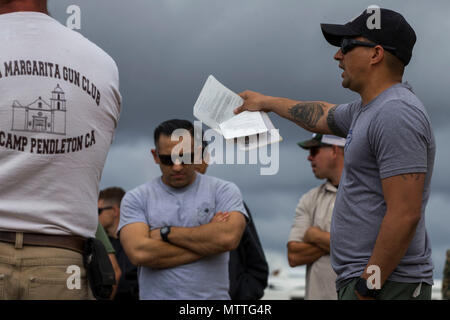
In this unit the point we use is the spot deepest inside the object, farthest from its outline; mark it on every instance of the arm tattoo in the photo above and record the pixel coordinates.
(307, 114)
(409, 176)
(332, 124)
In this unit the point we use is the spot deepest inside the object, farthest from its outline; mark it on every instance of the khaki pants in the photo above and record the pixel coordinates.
(41, 273)
(390, 291)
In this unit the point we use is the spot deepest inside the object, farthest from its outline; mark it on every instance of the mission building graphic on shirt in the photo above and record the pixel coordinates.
(49, 117)
(41, 116)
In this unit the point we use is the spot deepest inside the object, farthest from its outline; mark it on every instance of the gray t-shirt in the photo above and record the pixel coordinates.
(159, 205)
(390, 136)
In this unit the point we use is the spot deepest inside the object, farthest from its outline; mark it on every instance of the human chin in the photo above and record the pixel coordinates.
(318, 174)
(345, 82)
(179, 181)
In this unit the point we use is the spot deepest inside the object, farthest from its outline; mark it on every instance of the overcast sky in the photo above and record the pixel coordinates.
(166, 49)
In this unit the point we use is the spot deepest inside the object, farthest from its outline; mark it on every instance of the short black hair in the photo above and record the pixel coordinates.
(112, 194)
(169, 126)
(395, 65)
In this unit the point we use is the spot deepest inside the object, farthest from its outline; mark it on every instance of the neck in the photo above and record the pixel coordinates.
(112, 230)
(335, 180)
(25, 5)
(375, 86)
(337, 173)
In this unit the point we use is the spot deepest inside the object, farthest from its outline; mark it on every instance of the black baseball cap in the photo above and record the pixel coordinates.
(394, 31)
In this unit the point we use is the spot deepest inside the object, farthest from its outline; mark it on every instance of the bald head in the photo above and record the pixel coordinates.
(9, 6)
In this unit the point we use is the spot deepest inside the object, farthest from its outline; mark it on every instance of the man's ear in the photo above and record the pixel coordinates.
(378, 55)
(116, 209)
(335, 150)
(155, 156)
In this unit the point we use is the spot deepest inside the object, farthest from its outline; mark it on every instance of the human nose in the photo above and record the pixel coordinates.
(177, 166)
(338, 55)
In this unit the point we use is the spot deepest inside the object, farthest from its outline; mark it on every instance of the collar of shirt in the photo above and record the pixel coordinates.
(330, 187)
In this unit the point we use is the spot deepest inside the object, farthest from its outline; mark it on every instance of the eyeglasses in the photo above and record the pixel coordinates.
(166, 159)
(313, 151)
(104, 208)
(349, 44)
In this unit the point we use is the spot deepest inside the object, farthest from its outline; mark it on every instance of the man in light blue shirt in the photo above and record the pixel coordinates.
(180, 227)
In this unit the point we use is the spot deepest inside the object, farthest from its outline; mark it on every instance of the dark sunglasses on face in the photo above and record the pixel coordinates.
(349, 44)
(166, 159)
(100, 210)
(315, 150)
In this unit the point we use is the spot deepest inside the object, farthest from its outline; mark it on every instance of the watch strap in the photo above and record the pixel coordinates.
(165, 233)
(362, 288)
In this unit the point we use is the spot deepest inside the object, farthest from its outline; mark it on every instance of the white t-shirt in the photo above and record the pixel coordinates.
(59, 107)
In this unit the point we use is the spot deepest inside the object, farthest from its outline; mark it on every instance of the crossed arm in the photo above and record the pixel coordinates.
(146, 248)
(315, 244)
(210, 238)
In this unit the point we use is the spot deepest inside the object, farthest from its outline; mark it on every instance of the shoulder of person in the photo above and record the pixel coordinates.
(142, 189)
(399, 109)
(402, 97)
(317, 190)
(216, 182)
(350, 106)
(221, 186)
(313, 193)
(90, 49)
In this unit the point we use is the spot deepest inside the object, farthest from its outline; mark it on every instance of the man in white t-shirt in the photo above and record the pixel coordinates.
(59, 107)
(309, 241)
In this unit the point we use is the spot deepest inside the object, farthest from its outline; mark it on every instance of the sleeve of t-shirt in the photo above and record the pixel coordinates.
(343, 116)
(101, 235)
(302, 219)
(399, 137)
(132, 209)
(229, 198)
(116, 109)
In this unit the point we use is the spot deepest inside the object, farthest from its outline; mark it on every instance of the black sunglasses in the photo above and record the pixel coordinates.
(349, 44)
(166, 159)
(313, 151)
(101, 209)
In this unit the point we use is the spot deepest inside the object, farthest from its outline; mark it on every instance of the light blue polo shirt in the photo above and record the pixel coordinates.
(159, 205)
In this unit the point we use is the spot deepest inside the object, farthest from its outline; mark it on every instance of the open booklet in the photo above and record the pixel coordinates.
(215, 106)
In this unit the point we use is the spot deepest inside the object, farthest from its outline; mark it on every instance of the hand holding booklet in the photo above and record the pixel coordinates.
(215, 106)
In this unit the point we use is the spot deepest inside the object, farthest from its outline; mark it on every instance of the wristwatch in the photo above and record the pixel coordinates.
(363, 290)
(164, 231)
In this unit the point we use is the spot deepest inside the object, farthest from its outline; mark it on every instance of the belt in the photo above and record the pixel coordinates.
(74, 243)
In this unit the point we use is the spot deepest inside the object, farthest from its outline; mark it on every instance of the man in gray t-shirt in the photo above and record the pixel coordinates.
(379, 245)
(180, 227)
